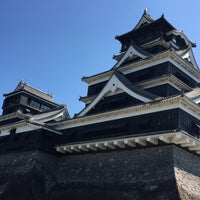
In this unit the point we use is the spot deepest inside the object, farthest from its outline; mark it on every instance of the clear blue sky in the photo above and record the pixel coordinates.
(51, 44)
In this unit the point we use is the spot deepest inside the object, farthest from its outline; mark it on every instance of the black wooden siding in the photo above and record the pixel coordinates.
(156, 71)
(114, 102)
(164, 90)
(162, 121)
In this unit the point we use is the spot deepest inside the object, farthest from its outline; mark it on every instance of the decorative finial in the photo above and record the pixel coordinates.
(145, 11)
(21, 83)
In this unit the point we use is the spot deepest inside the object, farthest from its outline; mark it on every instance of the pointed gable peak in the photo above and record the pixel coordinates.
(23, 86)
(133, 50)
(145, 19)
(118, 81)
(20, 86)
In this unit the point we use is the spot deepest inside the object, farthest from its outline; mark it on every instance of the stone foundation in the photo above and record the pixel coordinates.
(156, 173)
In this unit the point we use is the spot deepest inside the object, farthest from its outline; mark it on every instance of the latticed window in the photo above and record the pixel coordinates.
(44, 107)
(37, 105)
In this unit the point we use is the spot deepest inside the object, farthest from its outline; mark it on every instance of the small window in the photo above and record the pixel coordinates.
(195, 130)
(174, 39)
(13, 131)
(33, 103)
(44, 107)
(11, 101)
(37, 105)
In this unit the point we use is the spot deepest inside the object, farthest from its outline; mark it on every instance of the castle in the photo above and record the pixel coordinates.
(136, 138)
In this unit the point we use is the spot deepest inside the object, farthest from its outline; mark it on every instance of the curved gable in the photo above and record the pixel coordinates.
(119, 81)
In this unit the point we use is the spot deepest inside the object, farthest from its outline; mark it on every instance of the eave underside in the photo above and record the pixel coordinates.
(179, 138)
(166, 56)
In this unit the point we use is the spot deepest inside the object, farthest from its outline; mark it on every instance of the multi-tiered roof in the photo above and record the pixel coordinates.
(24, 121)
(150, 96)
(155, 58)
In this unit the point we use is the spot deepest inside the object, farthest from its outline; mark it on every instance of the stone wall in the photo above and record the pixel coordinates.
(187, 173)
(156, 173)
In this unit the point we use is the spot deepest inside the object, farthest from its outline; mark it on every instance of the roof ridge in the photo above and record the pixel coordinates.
(22, 86)
(146, 18)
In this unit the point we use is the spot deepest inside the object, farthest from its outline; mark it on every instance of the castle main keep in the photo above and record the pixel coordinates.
(136, 138)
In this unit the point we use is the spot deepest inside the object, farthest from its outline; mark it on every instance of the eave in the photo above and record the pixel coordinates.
(25, 126)
(175, 137)
(166, 56)
(133, 50)
(32, 95)
(158, 41)
(161, 23)
(158, 105)
(5, 129)
(22, 86)
(168, 79)
(44, 127)
(194, 93)
(182, 35)
(155, 42)
(12, 115)
(119, 81)
(53, 114)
